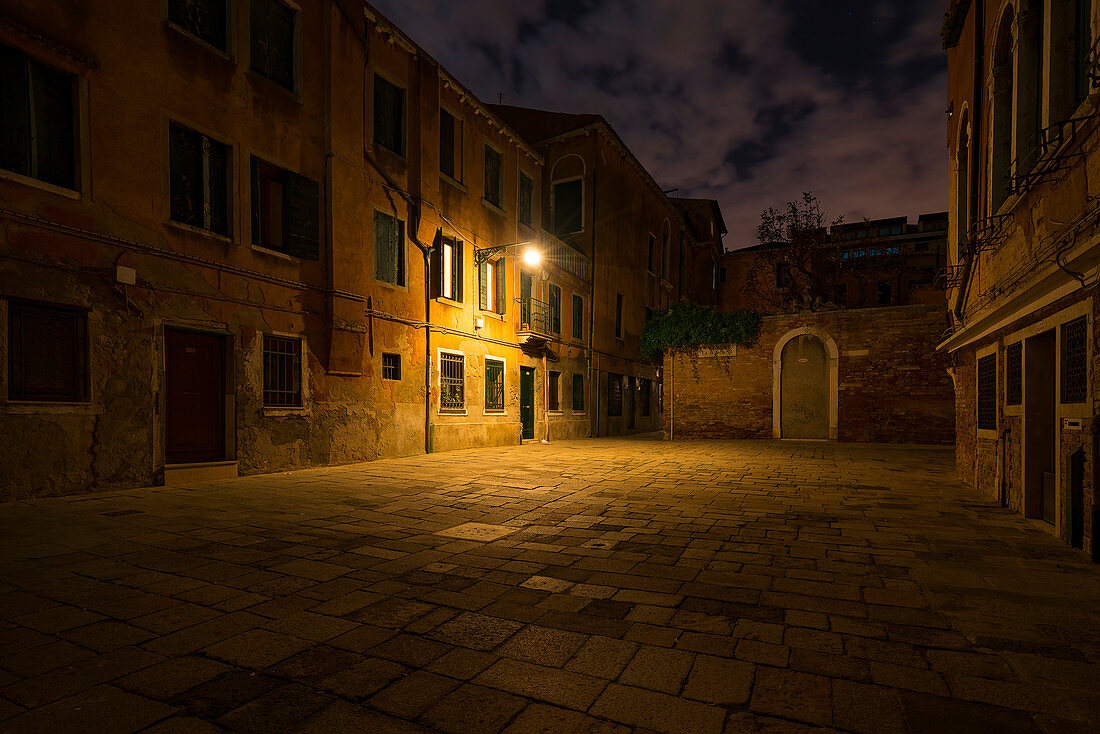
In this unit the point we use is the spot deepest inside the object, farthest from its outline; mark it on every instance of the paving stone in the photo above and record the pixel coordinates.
(540, 718)
(281, 709)
(926, 714)
(473, 708)
(603, 657)
(866, 708)
(411, 695)
(542, 645)
(102, 709)
(720, 681)
(343, 717)
(256, 649)
(559, 687)
(476, 631)
(171, 677)
(657, 711)
(793, 695)
(658, 669)
(73, 679)
(220, 695)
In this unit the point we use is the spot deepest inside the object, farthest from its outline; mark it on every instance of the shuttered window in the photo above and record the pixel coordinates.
(285, 211)
(198, 180)
(37, 120)
(494, 385)
(389, 115)
(282, 371)
(494, 181)
(47, 353)
(526, 200)
(1075, 369)
(447, 268)
(203, 19)
(567, 201)
(553, 396)
(389, 249)
(987, 392)
(272, 36)
(553, 295)
(452, 381)
(491, 296)
(578, 317)
(578, 392)
(450, 145)
(614, 395)
(1014, 374)
(644, 395)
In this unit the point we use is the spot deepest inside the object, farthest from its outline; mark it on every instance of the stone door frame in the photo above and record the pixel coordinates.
(833, 358)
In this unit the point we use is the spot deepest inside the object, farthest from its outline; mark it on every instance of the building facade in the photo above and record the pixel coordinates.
(275, 236)
(1023, 255)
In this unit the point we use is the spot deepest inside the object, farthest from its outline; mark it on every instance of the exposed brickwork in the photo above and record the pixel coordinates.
(892, 385)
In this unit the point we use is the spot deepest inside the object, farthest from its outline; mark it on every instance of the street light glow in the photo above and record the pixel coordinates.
(531, 256)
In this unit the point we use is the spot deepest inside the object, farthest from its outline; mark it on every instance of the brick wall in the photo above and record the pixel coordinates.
(892, 386)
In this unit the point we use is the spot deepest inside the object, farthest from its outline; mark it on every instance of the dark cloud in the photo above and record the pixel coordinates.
(750, 103)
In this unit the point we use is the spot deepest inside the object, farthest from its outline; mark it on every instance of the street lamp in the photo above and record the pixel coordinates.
(531, 254)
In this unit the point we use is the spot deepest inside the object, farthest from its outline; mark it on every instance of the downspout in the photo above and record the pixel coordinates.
(975, 153)
(593, 374)
(672, 397)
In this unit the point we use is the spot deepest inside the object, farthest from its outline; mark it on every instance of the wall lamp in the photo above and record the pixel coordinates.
(531, 254)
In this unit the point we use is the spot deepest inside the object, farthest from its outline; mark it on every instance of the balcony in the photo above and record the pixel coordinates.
(533, 330)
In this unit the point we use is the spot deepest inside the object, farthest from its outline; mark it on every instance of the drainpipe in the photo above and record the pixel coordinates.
(593, 375)
(975, 157)
(671, 397)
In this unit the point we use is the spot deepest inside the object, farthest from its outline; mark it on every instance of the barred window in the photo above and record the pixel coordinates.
(614, 395)
(282, 371)
(389, 115)
(37, 120)
(1014, 373)
(987, 392)
(643, 388)
(578, 317)
(494, 385)
(391, 366)
(526, 199)
(198, 180)
(1075, 361)
(203, 19)
(553, 295)
(494, 188)
(553, 399)
(272, 35)
(452, 381)
(47, 353)
(578, 392)
(389, 249)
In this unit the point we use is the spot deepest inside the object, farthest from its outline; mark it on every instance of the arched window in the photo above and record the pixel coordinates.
(1029, 84)
(1001, 110)
(962, 187)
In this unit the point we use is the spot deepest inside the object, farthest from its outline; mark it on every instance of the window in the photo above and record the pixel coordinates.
(578, 317)
(272, 33)
(553, 400)
(722, 275)
(494, 385)
(494, 182)
(47, 353)
(987, 392)
(491, 285)
(714, 277)
(37, 120)
(649, 258)
(644, 396)
(452, 381)
(782, 275)
(391, 366)
(566, 203)
(526, 200)
(389, 115)
(1082, 49)
(840, 294)
(614, 395)
(203, 19)
(920, 247)
(666, 255)
(198, 173)
(389, 249)
(553, 296)
(1001, 108)
(446, 267)
(578, 393)
(885, 293)
(450, 145)
(282, 371)
(1014, 374)
(1075, 369)
(619, 315)
(285, 211)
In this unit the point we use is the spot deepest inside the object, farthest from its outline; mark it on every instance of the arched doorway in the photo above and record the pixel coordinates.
(804, 392)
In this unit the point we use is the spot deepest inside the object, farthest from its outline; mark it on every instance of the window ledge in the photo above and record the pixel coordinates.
(492, 207)
(39, 184)
(453, 412)
(273, 253)
(191, 229)
(491, 315)
(291, 94)
(225, 54)
(449, 302)
(497, 413)
(555, 412)
(34, 407)
(270, 411)
(529, 226)
(453, 182)
(391, 286)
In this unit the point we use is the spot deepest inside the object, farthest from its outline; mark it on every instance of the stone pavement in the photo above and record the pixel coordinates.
(703, 586)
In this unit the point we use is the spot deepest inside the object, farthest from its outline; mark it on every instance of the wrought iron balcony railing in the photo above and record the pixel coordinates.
(534, 316)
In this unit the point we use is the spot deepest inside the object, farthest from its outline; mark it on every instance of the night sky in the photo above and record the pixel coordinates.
(749, 102)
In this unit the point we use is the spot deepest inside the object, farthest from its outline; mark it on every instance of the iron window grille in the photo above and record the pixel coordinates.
(526, 200)
(614, 395)
(494, 385)
(1075, 361)
(47, 353)
(391, 366)
(389, 115)
(987, 392)
(450, 145)
(452, 381)
(578, 392)
(553, 400)
(644, 397)
(282, 372)
(389, 249)
(553, 294)
(203, 19)
(37, 120)
(198, 180)
(494, 187)
(578, 317)
(272, 34)
(285, 211)
(1014, 391)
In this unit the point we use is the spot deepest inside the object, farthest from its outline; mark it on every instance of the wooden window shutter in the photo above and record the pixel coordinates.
(498, 276)
(482, 285)
(456, 269)
(435, 265)
(303, 227)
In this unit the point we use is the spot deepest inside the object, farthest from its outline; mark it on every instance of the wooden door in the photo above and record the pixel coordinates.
(804, 386)
(194, 367)
(527, 400)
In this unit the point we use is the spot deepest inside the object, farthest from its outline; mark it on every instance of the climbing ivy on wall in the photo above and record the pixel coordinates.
(689, 325)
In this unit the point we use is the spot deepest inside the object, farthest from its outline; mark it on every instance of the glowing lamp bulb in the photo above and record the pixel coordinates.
(531, 256)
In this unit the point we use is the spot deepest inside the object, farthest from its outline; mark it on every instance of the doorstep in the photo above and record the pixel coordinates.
(204, 471)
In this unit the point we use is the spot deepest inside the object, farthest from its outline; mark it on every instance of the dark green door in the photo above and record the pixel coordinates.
(527, 400)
